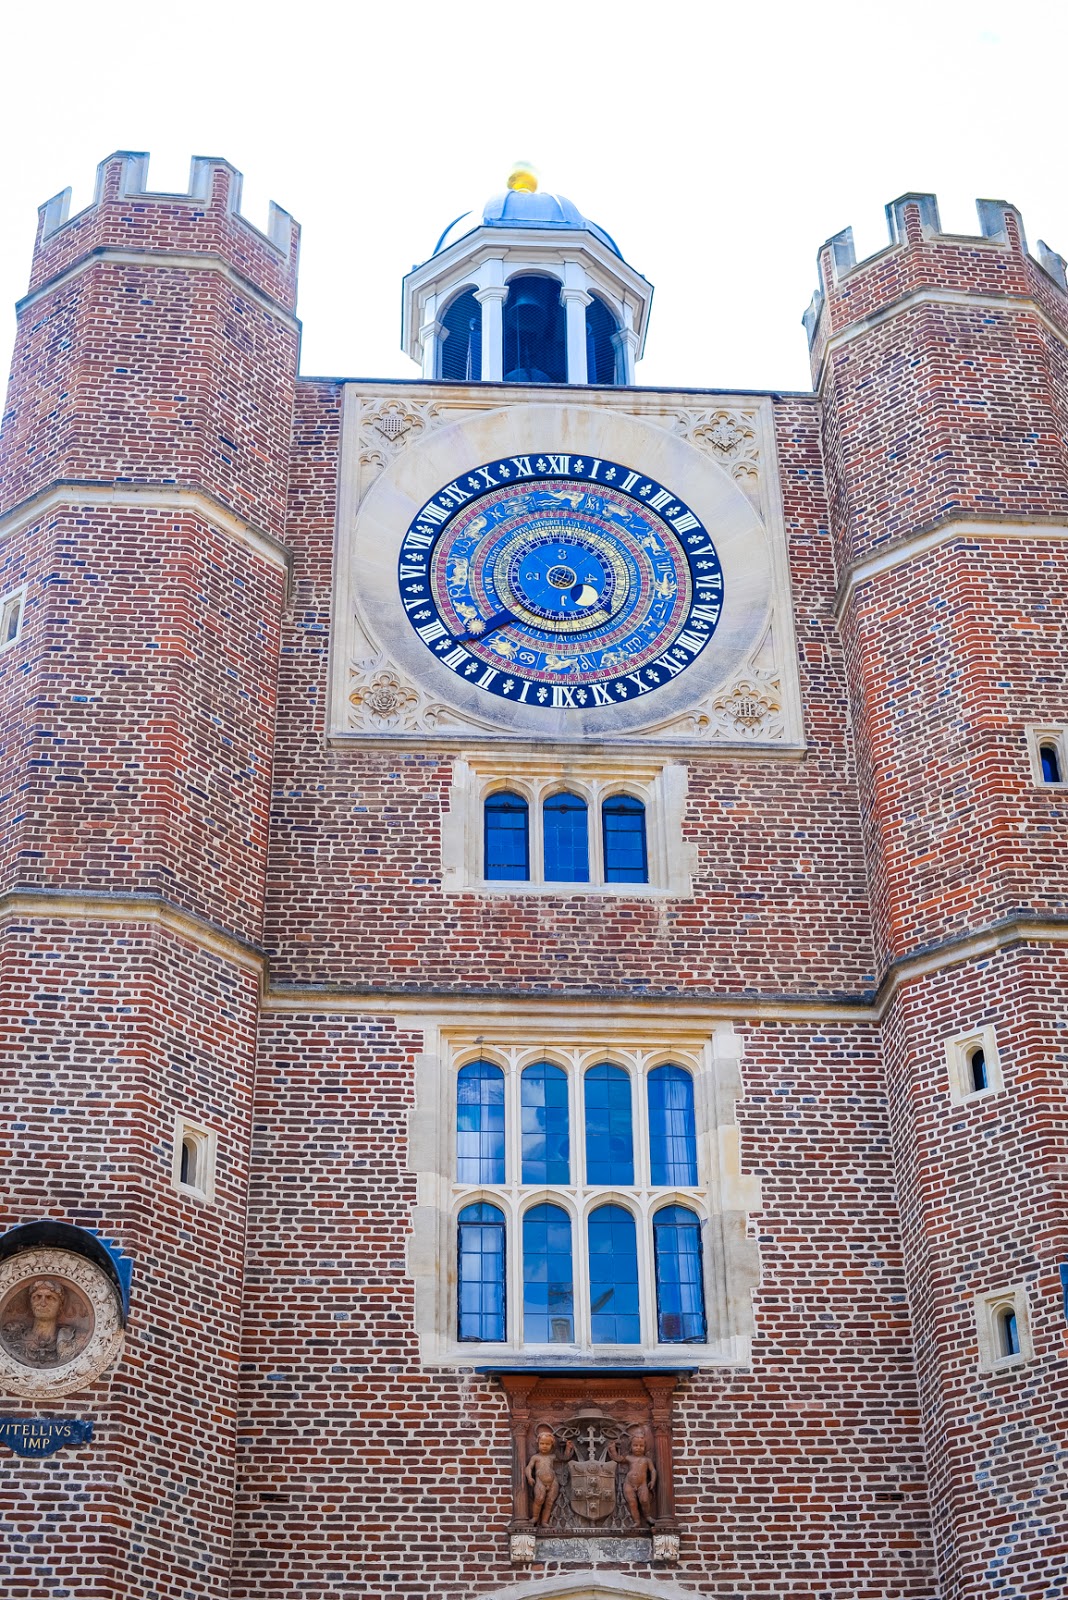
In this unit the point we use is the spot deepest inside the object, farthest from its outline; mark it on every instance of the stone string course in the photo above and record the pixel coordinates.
(271, 1431)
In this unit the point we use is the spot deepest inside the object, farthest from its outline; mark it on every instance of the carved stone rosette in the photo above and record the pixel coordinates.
(60, 1323)
(592, 1458)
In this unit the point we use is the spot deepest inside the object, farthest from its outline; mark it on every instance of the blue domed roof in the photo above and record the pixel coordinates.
(517, 208)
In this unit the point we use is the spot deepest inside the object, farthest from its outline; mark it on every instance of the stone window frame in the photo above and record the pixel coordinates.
(1047, 733)
(723, 1199)
(958, 1062)
(660, 784)
(990, 1307)
(14, 601)
(206, 1141)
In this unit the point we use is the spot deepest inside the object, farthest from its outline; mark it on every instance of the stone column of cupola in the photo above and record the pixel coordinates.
(940, 366)
(491, 293)
(575, 297)
(430, 335)
(625, 343)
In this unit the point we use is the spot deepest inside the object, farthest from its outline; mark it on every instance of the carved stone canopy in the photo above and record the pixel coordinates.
(593, 1456)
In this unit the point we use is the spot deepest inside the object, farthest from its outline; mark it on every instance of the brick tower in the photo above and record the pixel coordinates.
(533, 928)
(941, 367)
(144, 478)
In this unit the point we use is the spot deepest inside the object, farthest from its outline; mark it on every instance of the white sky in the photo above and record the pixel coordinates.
(719, 145)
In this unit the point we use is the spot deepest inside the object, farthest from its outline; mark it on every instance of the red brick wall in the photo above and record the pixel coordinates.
(365, 1474)
(112, 1027)
(938, 411)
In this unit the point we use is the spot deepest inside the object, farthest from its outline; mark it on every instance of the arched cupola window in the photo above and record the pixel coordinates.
(461, 346)
(600, 351)
(535, 349)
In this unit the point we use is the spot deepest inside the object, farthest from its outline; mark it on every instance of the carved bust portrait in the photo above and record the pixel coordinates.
(45, 1322)
(60, 1323)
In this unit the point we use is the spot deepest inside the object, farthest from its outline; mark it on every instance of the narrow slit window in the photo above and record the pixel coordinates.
(10, 619)
(1050, 758)
(189, 1162)
(548, 1282)
(614, 1310)
(680, 1290)
(1008, 1330)
(977, 1069)
(480, 1276)
(566, 834)
(609, 1134)
(545, 1125)
(623, 829)
(507, 837)
(672, 1130)
(480, 1123)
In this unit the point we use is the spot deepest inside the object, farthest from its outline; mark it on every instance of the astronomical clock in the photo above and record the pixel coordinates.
(597, 572)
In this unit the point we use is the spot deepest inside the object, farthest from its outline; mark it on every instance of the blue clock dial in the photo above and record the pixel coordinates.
(561, 581)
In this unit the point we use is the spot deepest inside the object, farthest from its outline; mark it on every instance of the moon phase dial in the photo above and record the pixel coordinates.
(560, 581)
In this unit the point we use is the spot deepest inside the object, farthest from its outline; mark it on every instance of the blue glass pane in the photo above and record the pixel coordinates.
(623, 828)
(480, 1123)
(609, 1140)
(567, 851)
(680, 1290)
(461, 348)
(1051, 766)
(600, 351)
(977, 1062)
(613, 1277)
(507, 853)
(548, 1293)
(1010, 1334)
(480, 1257)
(672, 1137)
(546, 1142)
(533, 330)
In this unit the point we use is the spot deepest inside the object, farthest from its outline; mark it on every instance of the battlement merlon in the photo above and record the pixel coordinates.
(920, 257)
(124, 215)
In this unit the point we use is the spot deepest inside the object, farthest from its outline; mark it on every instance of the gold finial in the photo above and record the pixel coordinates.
(523, 177)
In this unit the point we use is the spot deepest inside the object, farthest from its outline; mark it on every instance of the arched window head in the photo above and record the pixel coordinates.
(600, 351)
(460, 360)
(567, 846)
(626, 858)
(1008, 1332)
(507, 837)
(609, 1135)
(672, 1130)
(680, 1290)
(614, 1312)
(545, 1125)
(480, 1274)
(1051, 763)
(977, 1069)
(548, 1279)
(535, 349)
(480, 1123)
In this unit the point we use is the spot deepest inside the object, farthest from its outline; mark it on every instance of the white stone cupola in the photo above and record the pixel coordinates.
(532, 292)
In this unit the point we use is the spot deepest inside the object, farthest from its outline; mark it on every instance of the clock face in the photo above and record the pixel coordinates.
(560, 581)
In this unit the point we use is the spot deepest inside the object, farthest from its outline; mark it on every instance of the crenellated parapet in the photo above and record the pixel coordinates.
(125, 215)
(920, 258)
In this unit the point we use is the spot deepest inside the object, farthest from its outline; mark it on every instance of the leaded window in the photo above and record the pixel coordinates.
(480, 1123)
(507, 837)
(481, 1277)
(565, 831)
(598, 1257)
(672, 1134)
(548, 1280)
(623, 831)
(546, 1133)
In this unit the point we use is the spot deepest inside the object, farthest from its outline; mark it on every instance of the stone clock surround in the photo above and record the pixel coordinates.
(405, 443)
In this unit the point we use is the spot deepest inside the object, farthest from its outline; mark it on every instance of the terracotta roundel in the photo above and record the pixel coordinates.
(556, 580)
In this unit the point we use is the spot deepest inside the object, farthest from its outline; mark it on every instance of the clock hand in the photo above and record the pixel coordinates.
(479, 628)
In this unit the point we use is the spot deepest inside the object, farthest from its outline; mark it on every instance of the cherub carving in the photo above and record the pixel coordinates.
(541, 1475)
(640, 1478)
